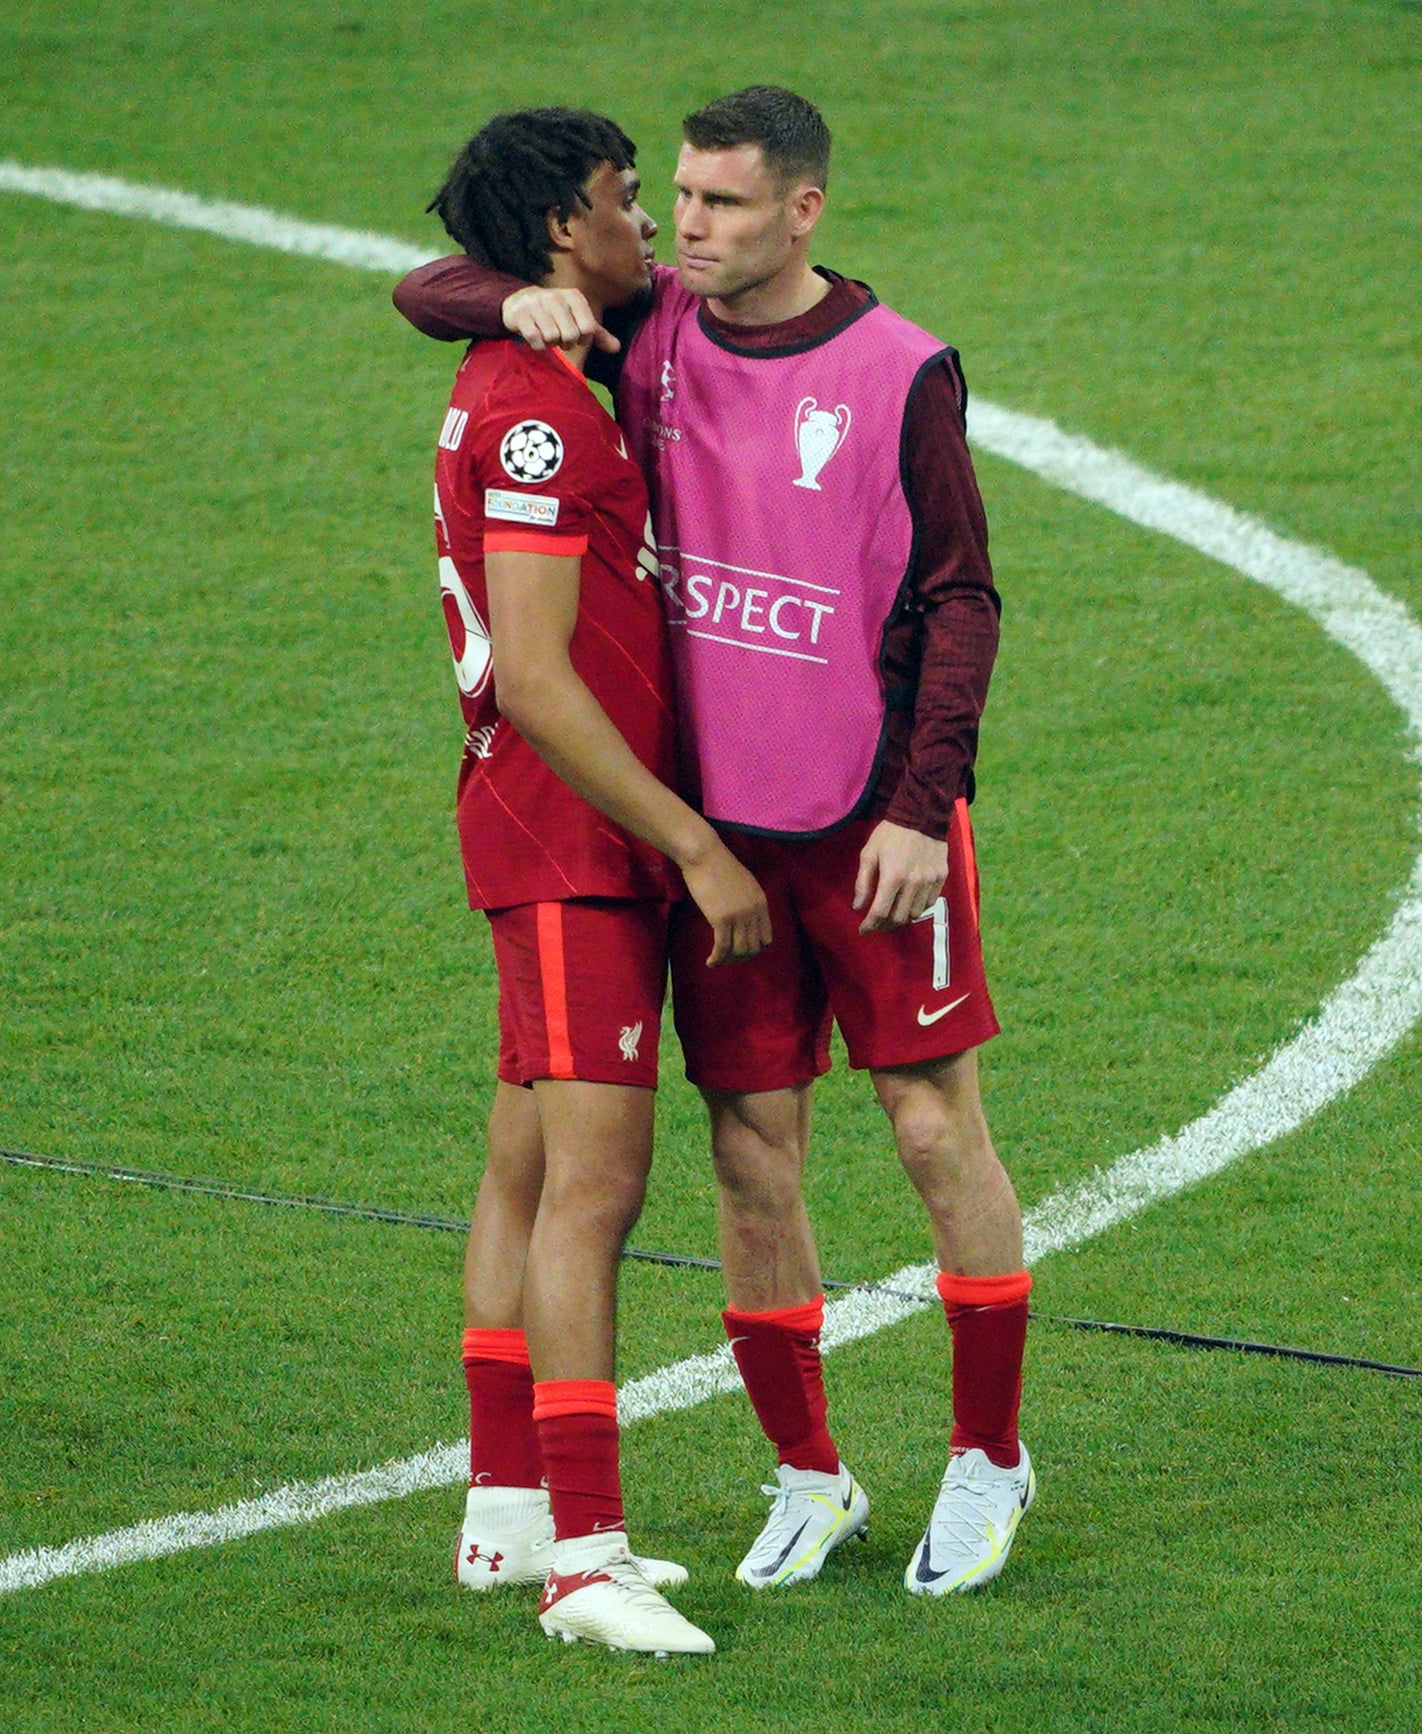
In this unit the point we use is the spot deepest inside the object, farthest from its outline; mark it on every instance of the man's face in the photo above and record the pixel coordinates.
(735, 225)
(612, 235)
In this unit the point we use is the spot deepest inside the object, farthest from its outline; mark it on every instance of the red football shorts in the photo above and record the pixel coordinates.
(581, 986)
(918, 993)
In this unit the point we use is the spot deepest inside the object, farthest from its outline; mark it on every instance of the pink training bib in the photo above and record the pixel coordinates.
(784, 537)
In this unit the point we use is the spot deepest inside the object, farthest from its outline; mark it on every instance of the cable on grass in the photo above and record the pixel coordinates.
(207, 1188)
(1189, 1340)
(679, 1260)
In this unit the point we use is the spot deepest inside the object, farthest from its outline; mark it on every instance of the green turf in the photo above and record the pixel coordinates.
(231, 939)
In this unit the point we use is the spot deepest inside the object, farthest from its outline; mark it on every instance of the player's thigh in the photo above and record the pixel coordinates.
(914, 993)
(758, 1025)
(581, 985)
(597, 1141)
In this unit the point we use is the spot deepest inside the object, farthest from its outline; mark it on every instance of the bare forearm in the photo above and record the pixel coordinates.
(569, 730)
(533, 610)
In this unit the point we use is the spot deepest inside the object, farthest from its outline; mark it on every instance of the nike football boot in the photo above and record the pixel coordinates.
(970, 1533)
(812, 1514)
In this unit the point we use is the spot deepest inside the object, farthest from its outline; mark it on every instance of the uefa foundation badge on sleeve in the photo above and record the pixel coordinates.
(819, 433)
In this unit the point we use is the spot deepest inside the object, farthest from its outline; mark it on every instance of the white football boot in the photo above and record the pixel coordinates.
(812, 1514)
(970, 1533)
(507, 1538)
(597, 1592)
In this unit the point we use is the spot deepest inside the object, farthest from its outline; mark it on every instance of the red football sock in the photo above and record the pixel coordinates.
(503, 1441)
(578, 1434)
(778, 1353)
(988, 1318)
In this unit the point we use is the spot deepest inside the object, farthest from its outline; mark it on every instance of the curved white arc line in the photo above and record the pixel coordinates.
(1366, 1017)
(1342, 599)
(261, 228)
(300, 1502)
(1359, 1023)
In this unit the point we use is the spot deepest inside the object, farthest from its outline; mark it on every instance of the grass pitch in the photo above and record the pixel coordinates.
(232, 941)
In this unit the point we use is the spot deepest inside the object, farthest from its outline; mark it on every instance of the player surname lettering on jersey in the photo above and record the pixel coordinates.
(452, 432)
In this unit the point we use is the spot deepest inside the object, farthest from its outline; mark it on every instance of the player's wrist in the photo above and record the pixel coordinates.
(933, 824)
(695, 844)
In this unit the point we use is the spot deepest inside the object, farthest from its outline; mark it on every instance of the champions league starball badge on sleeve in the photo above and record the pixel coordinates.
(819, 433)
(531, 452)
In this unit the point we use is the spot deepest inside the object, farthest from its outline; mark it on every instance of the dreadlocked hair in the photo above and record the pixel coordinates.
(790, 131)
(500, 189)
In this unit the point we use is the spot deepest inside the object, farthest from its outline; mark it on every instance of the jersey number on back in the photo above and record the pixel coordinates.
(469, 640)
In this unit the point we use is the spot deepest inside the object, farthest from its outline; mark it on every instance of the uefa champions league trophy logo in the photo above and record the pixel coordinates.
(819, 433)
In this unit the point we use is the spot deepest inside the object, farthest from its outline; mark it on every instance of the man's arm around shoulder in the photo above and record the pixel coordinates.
(455, 299)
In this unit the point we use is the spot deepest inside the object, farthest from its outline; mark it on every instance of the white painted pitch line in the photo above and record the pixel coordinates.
(248, 223)
(1365, 1018)
(1356, 1027)
(1342, 599)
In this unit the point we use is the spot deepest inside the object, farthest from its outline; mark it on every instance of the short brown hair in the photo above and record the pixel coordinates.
(790, 131)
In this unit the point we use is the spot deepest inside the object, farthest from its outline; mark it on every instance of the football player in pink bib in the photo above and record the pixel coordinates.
(823, 554)
(575, 845)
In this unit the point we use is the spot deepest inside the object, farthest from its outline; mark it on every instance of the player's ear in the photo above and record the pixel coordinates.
(560, 231)
(805, 207)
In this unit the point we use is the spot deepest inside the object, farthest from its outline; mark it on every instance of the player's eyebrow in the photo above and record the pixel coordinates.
(712, 195)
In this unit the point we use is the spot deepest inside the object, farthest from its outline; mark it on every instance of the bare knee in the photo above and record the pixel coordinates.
(758, 1149)
(510, 1193)
(940, 1130)
(746, 1162)
(920, 1142)
(935, 1142)
(752, 1184)
(601, 1207)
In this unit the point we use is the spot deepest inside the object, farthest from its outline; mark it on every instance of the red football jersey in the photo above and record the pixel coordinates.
(529, 461)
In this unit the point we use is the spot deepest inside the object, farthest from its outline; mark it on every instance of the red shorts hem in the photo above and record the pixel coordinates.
(731, 1081)
(581, 985)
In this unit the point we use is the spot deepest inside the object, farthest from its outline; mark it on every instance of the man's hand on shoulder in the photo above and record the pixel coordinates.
(901, 875)
(562, 317)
